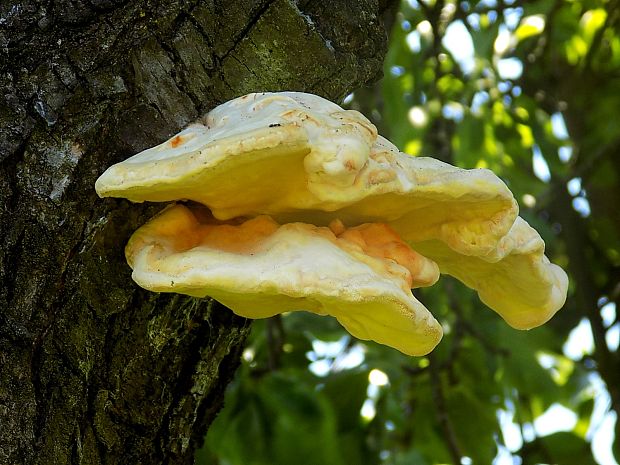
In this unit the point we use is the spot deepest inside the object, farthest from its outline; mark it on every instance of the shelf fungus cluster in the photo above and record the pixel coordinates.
(298, 204)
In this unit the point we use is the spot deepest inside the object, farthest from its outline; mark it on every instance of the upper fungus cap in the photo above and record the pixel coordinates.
(300, 158)
(362, 276)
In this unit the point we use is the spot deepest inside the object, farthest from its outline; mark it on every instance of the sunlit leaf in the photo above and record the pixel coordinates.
(530, 26)
(592, 21)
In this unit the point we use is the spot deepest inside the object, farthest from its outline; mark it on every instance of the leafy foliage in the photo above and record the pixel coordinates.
(530, 90)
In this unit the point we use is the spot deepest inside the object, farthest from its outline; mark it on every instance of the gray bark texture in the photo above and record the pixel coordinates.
(93, 369)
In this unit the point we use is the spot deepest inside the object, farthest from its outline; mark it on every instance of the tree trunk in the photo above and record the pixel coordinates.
(94, 369)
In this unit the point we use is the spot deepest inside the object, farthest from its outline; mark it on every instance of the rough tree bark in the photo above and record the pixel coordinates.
(93, 369)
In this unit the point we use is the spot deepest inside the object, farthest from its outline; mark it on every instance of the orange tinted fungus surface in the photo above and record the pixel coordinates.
(176, 141)
(381, 241)
(243, 238)
(376, 240)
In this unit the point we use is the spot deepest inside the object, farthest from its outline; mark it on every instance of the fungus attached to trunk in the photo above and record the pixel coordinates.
(281, 175)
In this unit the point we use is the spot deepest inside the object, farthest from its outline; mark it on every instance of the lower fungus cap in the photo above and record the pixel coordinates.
(258, 268)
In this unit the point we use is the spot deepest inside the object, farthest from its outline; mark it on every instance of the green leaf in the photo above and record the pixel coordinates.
(303, 425)
(472, 419)
(346, 391)
(568, 449)
(530, 26)
(484, 40)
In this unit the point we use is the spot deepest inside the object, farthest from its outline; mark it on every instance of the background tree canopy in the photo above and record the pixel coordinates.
(530, 90)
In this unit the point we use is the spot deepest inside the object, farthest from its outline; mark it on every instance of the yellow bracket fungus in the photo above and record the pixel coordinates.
(280, 175)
